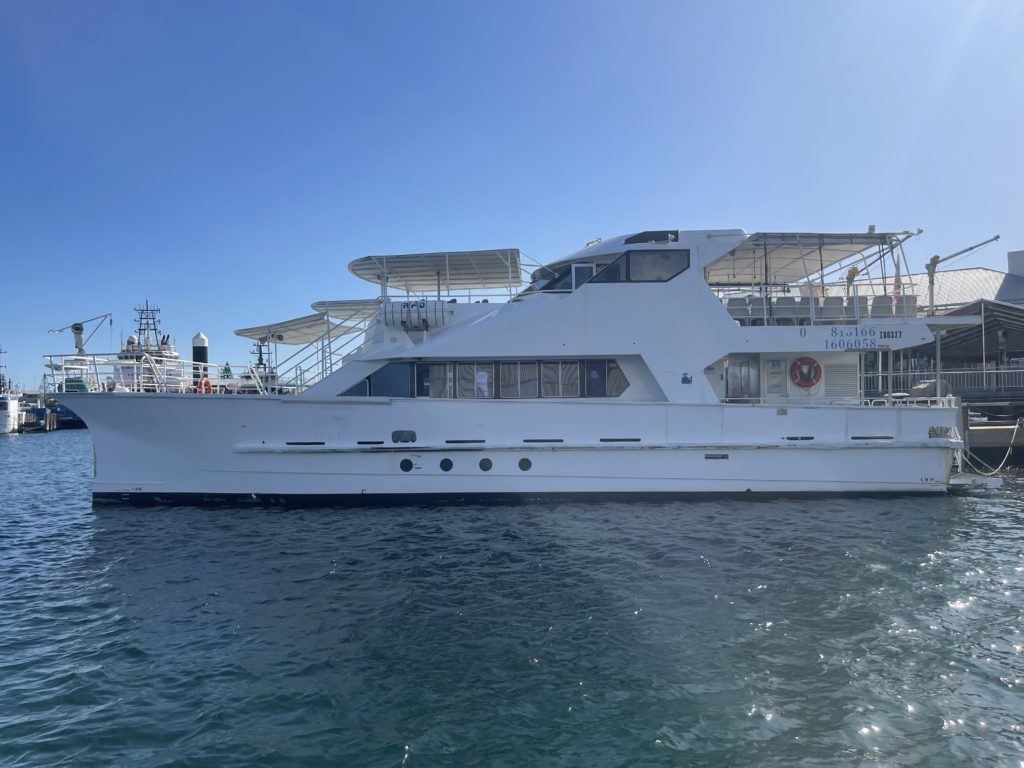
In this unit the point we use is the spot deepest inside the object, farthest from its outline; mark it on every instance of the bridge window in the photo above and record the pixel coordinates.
(645, 267)
(581, 273)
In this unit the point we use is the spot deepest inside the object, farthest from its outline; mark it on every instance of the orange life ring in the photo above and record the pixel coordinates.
(205, 386)
(805, 372)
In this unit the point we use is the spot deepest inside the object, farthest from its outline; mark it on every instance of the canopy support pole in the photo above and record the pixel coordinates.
(984, 359)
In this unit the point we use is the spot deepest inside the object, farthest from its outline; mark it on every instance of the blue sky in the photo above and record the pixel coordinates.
(225, 160)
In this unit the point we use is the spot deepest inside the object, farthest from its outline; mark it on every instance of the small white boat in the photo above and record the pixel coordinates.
(10, 406)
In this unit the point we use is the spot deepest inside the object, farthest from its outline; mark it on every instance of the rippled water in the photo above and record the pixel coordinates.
(716, 633)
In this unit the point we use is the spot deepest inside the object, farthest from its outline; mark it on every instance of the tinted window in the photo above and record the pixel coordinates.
(562, 281)
(581, 273)
(613, 273)
(645, 267)
(393, 380)
(597, 378)
(359, 389)
(656, 266)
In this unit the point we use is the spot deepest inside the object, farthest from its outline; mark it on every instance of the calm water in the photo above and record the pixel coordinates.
(720, 633)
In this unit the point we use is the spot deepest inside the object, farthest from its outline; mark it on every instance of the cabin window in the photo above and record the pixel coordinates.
(604, 378)
(519, 380)
(560, 378)
(475, 380)
(645, 267)
(484, 379)
(393, 380)
(434, 380)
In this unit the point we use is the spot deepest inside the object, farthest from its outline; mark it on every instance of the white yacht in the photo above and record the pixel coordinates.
(659, 363)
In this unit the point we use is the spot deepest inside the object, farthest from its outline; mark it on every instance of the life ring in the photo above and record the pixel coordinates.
(805, 372)
(205, 386)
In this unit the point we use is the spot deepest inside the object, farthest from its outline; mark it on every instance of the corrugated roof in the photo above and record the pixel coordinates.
(962, 286)
(953, 287)
(1003, 330)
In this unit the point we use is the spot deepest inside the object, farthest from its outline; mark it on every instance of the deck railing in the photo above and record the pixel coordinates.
(149, 371)
(900, 400)
(955, 381)
(143, 372)
(830, 304)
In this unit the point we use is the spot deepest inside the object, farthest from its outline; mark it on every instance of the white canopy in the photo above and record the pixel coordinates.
(451, 270)
(349, 310)
(301, 330)
(791, 257)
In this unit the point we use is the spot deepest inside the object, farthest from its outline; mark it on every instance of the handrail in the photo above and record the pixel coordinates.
(832, 304)
(256, 379)
(158, 375)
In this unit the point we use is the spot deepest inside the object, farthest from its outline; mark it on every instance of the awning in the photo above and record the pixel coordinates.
(301, 330)
(451, 270)
(349, 310)
(784, 258)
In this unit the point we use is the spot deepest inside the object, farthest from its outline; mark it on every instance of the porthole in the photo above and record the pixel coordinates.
(406, 465)
(525, 464)
(486, 464)
(446, 465)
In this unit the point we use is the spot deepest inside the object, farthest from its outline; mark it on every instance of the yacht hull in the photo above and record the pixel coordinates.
(169, 448)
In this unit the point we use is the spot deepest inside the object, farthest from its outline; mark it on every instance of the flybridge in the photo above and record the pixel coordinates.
(784, 258)
(338, 326)
(799, 278)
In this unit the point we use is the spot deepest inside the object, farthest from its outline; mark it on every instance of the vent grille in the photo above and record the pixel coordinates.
(841, 380)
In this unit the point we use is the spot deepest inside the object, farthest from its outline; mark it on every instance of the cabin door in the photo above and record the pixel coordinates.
(742, 378)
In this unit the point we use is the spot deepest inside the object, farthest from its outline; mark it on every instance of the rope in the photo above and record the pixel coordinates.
(1006, 458)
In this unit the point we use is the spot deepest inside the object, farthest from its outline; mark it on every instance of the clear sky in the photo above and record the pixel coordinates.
(225, 160)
